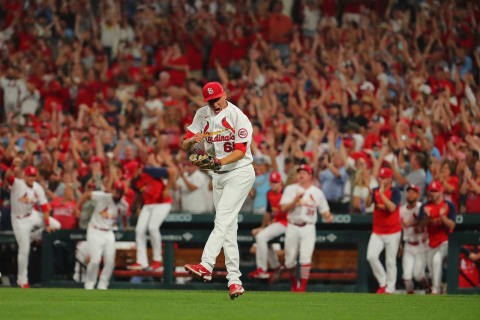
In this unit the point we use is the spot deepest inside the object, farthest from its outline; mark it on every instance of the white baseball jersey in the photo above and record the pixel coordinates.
(223, 130)
(106, 211)
(306, 210)
(410, 216)
(23, 198)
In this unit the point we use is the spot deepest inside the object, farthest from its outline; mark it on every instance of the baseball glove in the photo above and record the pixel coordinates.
(204, 161)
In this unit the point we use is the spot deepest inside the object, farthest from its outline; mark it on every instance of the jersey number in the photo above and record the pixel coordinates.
(228, 146)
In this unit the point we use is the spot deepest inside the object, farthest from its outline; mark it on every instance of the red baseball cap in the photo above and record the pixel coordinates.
(435, 186)
(96, 159)
(385, 173)
(212, 90)
(305, 167)
(31, 171)
(413, 187)
(275, 177)
(119, 186)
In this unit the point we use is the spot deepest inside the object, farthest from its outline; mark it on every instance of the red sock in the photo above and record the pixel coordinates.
(304, 276)
(293, 278)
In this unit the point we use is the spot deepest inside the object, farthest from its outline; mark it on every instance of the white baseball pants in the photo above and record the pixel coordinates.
(22, 229)
(229, 192)
(299, 241)
(376, 244)
(81, 257)
(263, 252)
(435, 265)
(414, 261)
(151, 218)
(100, 243)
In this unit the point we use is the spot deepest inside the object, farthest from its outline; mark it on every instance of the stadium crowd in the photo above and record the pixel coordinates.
(93, 91)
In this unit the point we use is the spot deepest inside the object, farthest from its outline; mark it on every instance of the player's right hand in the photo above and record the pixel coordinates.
(198, 137)
(48, 229)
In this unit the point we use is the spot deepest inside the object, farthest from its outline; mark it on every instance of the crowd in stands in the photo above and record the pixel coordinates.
(93, 91)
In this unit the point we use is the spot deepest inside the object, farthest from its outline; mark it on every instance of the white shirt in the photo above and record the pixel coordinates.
(23, 197)
(306, 209)
(223, 130)
(106, 211)
(195, 201)
(410, 216)
(151, 105)
(13, 92)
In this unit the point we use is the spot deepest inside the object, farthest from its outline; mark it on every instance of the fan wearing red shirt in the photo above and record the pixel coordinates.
(63, 209)
(386, 231)
(272, 228)
(438, 216)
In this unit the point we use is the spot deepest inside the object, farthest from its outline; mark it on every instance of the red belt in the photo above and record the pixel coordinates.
(25, 216)
(303, 224)
(415, 243)
(101, 229)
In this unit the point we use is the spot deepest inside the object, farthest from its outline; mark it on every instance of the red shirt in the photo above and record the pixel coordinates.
(64, 213)
(152, 190)
(273, 205)
(437, 231)
(384, 221)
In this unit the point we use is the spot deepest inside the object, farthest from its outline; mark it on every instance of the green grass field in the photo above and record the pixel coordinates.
(65, 304)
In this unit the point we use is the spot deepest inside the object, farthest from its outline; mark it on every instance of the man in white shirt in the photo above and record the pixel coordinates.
(193, 185)
(226, 133)
(24, 195)
(415, 247)
(100, 237)
(302, 200)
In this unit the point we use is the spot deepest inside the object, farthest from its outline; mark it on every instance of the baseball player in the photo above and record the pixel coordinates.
(438, 215)
(302, 200)
(100, 237)
(272, 228)
(25, 195)
(386, 231)
(414, 258)
(226, 134)
(157, 203)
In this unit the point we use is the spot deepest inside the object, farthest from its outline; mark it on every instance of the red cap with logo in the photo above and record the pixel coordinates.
(31, 171)
(385, 173)
(212, 90)
(305, 167)
(435, 186)
(119, 185)
(413, 187)
(275, 177)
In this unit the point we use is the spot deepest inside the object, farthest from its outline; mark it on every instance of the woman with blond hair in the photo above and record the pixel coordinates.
(363, 182)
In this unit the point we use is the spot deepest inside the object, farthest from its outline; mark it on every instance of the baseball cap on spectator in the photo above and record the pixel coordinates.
(424, 88)
(413, 187)
(305, 167)
(385, 173)
(96, 159)
(130, 169)
(367, 85)
(118, 185)
(212, 90)
(275, 177)
(435, 186)
(348, 142)
(31, 171)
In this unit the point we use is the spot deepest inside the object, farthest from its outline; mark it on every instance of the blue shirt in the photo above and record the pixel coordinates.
(262, 186)
(332, 186)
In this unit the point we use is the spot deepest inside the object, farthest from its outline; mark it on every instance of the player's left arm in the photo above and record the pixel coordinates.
(243, 135)
(323, 208)
(45, 207)
(448, 219)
